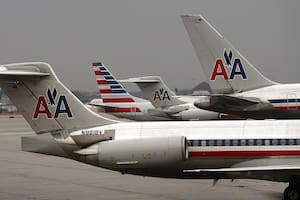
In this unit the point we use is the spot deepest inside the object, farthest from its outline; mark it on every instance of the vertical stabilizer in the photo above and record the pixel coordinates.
(111, 91)
(227, 70)
(46, 104)
(156, 91)
(115, 98)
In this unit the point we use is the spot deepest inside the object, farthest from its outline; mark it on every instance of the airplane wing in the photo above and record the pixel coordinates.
(228, 104)
(102, 105)
(231, 100)
(167, 112)
(145, 79)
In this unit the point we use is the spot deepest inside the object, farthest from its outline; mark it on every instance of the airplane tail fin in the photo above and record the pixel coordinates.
(111, 91)
(155, 90)
(115, 98)
(46, 104)
(225, 67)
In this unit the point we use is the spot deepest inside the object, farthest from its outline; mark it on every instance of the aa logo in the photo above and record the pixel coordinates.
(161, 95)
(59, 103)
(219, 70)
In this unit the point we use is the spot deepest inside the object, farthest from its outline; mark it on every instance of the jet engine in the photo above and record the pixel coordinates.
(137, 153)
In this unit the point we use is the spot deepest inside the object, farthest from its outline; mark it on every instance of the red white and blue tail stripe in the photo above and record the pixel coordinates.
(112, 92)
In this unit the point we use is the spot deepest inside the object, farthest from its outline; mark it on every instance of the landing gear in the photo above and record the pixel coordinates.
(292, 192)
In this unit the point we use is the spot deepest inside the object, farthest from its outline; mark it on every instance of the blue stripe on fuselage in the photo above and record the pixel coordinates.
(284, 100)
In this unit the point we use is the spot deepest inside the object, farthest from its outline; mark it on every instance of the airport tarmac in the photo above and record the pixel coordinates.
(32, 176)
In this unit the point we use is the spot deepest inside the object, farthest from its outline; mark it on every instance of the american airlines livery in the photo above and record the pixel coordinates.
(166, 102)
(161, 103)
(252, 149)
(117, 101)
(238, 87)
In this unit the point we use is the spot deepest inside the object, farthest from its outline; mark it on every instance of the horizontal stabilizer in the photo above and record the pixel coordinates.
(145, 79)
(25, 71)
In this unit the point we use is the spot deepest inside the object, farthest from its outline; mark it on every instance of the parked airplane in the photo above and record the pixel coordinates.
(165, 105)
(257, 149)
(238, 87)
(117, 101)
(166, 102)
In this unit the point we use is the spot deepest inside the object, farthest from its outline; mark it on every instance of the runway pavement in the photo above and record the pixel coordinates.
(31, 176)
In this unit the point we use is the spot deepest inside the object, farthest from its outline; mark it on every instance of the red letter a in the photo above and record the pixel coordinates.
(156, 96)
(38, 110)
(216, 72)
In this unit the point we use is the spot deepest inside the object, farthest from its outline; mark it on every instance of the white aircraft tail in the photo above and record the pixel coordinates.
(225, 67)
(46, 104)
(115, 97)
(156, 91)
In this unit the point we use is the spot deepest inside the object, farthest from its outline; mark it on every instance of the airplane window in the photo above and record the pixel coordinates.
(259, 142)
(203, 143)
(243, 142)
(235, 142)
(267, 142)
(196, 143)
(227, 142)
(251, 142)
(274, 142)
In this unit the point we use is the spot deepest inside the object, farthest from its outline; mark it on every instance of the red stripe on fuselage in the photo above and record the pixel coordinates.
(287, 107)
(122, 110)
(229, 116)
(118, 100)
(242, 153)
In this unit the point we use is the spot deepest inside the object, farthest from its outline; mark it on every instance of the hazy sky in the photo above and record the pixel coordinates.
(146, 37)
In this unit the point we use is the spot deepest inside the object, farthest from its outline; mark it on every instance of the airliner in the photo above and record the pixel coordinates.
(237, 149)
(166, 102)
(237, 86)
(161, 103)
